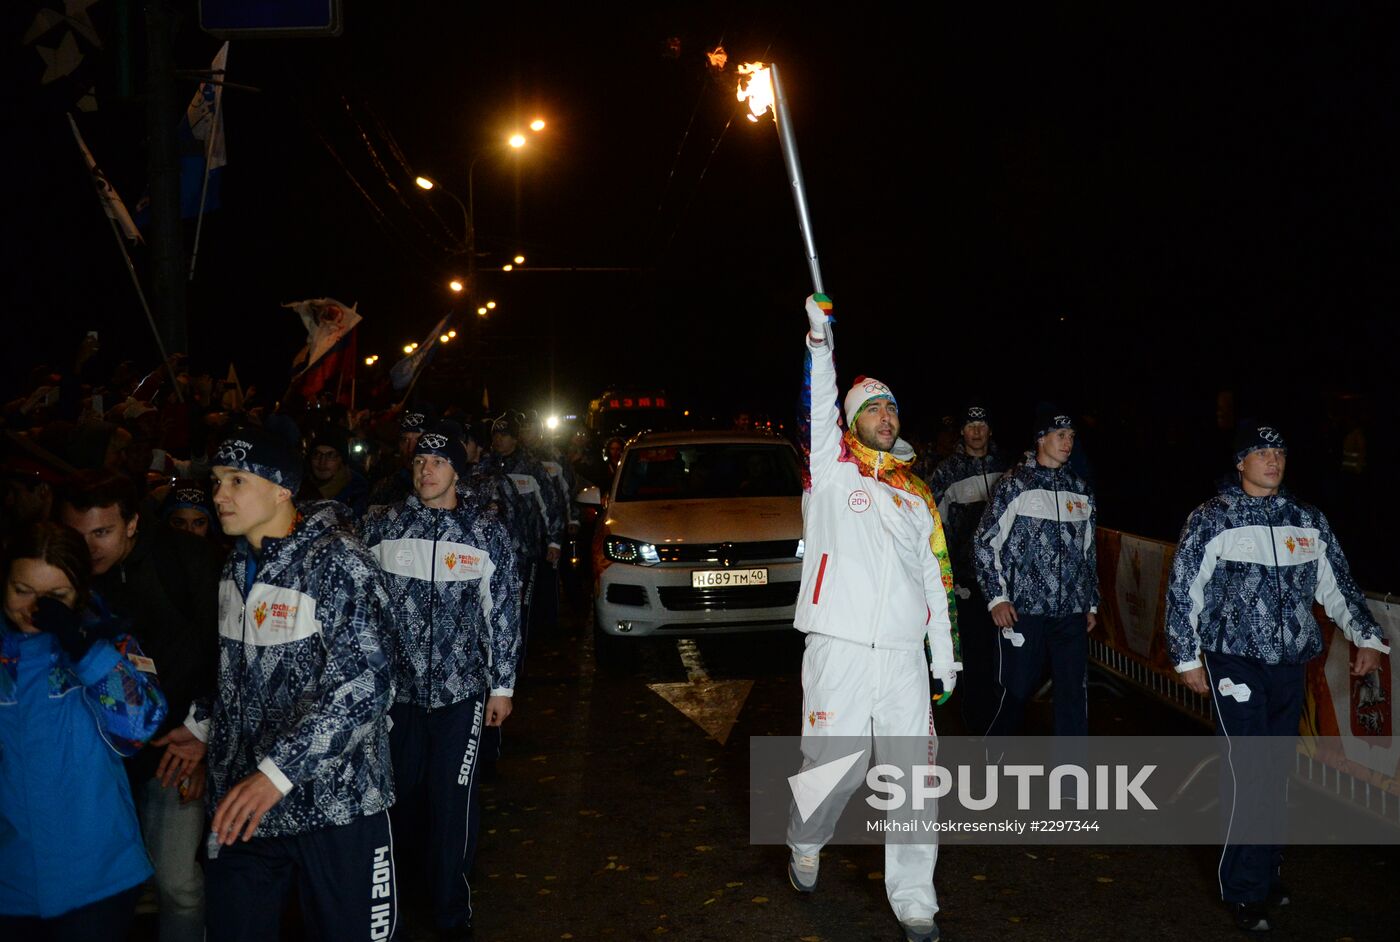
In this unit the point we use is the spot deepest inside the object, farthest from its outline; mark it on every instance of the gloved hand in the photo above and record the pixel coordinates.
(66, 625)
(943, 684)
(818, 313)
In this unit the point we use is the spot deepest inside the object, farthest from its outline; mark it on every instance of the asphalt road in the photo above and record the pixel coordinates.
(614, 815)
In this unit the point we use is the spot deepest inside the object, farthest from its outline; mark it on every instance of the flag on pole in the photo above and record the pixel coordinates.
(112, 204)
(202, 151)
(402, 373)
(329, 353)
(327, 321)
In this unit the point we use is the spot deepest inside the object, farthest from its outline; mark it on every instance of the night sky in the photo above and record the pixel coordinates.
(1119, 208)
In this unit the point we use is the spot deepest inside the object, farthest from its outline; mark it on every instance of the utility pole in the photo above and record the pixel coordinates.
(162, 112)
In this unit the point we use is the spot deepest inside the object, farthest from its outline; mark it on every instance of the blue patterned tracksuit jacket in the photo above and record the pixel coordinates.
(304, 676)
(961, 486)
(561, 473)
(539, 513)
(1035, 546)
(455, 595)
(68, 833)
(1245, 576)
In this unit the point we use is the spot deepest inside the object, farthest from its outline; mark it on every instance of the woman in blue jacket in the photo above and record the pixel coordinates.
(75, 697)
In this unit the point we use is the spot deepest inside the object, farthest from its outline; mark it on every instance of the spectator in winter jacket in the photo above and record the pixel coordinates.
(962, 484)
(450, 571)
(189, 508)
(166, 584)
(1038, 570)
(296, 733)
(332, 477)
(71, 860)
(876, 589)
(1251, 563)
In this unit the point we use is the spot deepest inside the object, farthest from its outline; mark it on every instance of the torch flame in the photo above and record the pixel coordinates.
(718, 58)
(758, 91)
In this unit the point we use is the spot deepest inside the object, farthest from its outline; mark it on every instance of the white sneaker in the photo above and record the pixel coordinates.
(802, 872)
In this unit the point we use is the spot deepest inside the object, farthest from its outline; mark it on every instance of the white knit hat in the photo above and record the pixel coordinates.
(864, 390)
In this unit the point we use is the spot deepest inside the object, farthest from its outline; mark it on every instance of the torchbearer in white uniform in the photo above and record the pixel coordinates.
(876, 584)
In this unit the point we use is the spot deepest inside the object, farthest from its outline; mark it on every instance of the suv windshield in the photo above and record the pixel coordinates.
(700, 472)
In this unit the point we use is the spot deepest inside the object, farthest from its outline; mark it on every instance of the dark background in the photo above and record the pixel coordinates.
(1118, 208)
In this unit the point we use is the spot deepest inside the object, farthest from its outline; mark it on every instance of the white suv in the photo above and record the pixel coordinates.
(702, 533)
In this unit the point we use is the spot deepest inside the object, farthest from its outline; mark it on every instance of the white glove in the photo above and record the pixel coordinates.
(949, 679)
(816, 318)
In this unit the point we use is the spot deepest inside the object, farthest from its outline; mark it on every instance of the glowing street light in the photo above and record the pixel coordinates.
(371, 360)
(452, 334)
(481, 311)
(520, 260)
(491, 305)
(517, 141)
(444, 338)
(552, 422)
(408, 347)
(507, 266)
(456, 285)
(537, 124)
(426, 183)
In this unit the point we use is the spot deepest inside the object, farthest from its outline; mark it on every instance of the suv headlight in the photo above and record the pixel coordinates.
(622, 550)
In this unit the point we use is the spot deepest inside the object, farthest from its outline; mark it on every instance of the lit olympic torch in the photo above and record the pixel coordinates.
(764, 90)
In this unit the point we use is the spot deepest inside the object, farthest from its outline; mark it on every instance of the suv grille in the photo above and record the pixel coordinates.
(718, 598)
(621, 593)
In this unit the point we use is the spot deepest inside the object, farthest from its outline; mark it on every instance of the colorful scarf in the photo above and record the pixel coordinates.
(899, 474)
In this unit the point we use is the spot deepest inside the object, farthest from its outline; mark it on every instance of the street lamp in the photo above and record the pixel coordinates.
(520, 260)
(491, 305)
(507, 266)
(516, 142)
(481, 311)
(455, 285)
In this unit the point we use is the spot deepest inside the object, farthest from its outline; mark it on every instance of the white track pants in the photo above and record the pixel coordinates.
(852, 691)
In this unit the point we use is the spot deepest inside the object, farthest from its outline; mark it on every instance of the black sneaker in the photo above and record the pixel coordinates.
(1252, 917)
(920, 931)
(1280, 895)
